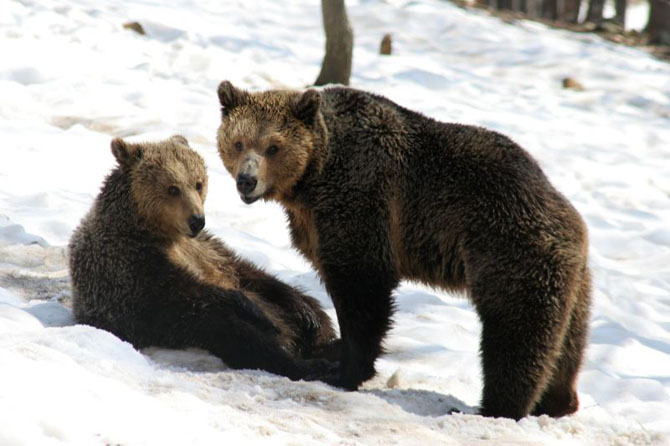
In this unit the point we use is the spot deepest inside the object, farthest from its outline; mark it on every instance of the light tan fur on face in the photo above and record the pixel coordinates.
(265, 120)
(154, 173)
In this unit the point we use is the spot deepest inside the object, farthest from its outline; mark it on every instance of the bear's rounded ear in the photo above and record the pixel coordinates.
(307, 106)
(180, 139)
(230, 97)
(126, 155)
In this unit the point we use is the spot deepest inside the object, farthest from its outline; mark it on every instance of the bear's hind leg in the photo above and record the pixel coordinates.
(560, 396)
(523, 325)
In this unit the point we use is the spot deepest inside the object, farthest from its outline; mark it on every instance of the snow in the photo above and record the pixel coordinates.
(71, 78)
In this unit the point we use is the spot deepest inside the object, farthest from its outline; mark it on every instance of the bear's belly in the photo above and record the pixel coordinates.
(420, 255)
(434, 266)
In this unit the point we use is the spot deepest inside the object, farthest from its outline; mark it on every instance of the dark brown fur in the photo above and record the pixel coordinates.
(377, 193)
(139, 270)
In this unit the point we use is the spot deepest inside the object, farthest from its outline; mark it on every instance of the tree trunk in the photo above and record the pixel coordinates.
(620, 7)
(504, 4)
(549, 9)
(570, 11)
(658, 26)
(336, 66)
(533, 8)
(595, 12)
(523, 6)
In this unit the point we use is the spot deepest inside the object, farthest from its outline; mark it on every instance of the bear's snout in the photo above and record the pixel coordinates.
(246, 183)
(195, 223)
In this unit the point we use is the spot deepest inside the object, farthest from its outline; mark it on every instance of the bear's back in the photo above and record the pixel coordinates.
(425, 173)
(104, 252)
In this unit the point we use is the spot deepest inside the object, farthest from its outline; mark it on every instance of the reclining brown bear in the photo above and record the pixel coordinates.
(143, 269)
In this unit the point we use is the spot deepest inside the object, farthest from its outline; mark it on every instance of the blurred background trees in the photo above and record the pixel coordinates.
(591, 11)
(337, 62)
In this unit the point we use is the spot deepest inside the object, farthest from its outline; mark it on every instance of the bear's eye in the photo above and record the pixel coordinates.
(239, 146)
(173, 190)
(198, 186)
(272, 150)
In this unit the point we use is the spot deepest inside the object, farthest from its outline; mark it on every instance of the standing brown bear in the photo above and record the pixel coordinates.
(376, 193)
(143, 269)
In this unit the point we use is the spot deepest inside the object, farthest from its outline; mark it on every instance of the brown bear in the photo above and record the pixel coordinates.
(143, 268)
(376, 193)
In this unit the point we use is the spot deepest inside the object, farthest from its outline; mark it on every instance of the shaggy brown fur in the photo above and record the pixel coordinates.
(142, 269)
(376, 193)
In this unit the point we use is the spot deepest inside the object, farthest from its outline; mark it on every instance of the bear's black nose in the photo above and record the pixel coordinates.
(246, 183)
(196, 222)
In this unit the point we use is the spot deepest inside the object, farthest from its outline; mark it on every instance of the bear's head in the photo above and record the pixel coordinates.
(268, 140)
(168, 184)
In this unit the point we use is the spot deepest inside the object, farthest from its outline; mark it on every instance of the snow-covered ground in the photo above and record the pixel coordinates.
(71, 78)
(637, 14)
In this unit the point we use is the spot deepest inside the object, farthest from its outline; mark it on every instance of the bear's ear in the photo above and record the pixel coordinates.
(180, 139)
(230, 97)
(126, 155)
(307, 106)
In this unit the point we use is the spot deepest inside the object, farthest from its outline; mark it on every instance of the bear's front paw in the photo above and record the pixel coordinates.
(336, 380)
(351, 375)
(319, 369)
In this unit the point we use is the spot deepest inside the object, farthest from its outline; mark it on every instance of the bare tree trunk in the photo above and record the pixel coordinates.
(570, 11)
(533, 8)
(523, 6)
(504, 4)
(595, 12)
(336, 66)
(620, 7)
(549, 9)
(658, 26)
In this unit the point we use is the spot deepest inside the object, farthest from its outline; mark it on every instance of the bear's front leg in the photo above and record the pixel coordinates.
(355, 261)
(361, 292)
